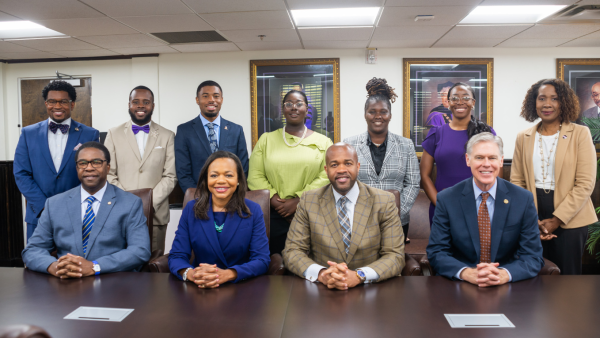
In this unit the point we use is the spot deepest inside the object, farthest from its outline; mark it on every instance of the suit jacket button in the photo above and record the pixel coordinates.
(57, 177)
(140, 170)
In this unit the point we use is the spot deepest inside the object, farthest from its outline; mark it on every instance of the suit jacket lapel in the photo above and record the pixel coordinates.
(390, 149)
(74, 208)
(72, 140)
(469, 207)
(232, 223)
(150, 142)
(130, 136)
(500, 214)
(208, 226)
(329, 212)
(565, 136)
(364, 152)
(529, 143)
(223, 133)
(362, 211)
(102, 216)
(199, 128)
(43, 140)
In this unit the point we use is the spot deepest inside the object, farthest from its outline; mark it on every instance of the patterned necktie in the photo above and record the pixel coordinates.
(212, 137)
(344, 222)
(136, 129)
(64, 128)
(485, 236)
(88, 222)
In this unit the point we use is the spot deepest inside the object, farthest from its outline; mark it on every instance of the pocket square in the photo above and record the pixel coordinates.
(159, 147)
(77, 147)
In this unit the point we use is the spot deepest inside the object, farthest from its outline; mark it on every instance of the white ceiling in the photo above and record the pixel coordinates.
(123, 27)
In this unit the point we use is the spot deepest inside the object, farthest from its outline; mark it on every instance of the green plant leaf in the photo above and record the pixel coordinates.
(593, 238)
(594, 124)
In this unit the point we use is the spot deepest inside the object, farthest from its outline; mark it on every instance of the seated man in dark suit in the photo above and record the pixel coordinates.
(95, 227)
(485, 229)
(594, 112)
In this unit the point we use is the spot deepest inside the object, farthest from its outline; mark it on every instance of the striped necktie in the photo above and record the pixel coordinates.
(88, 222)
(344, 222)
(212, 137)
(485, 236)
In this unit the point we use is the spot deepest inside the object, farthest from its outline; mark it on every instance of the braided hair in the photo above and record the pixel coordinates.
(475, 126)
(379, 91)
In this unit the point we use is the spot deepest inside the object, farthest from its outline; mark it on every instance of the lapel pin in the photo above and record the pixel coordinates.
(564, 136)
(505, 201)
(225, 127)
(76, 129)
(109, 203)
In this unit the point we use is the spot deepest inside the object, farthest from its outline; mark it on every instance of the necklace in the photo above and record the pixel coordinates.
(546, 167)
(297, 143)
(219, 228)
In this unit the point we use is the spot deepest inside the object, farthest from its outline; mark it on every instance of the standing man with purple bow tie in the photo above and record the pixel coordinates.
(44, 162)
(143, 156)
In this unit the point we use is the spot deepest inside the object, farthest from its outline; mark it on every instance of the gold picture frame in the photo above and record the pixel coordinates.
(442, 72)
(291, 73)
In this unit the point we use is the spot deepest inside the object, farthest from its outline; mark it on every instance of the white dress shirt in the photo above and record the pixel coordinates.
(312, 273)
(57, 142)
(142, 138)
(96, 205)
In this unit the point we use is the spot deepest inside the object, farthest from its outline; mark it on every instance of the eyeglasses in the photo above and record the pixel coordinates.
(97, 163)
(64, 103)
(289, 105)
(456, 99)
(137, 102)
(595, 95)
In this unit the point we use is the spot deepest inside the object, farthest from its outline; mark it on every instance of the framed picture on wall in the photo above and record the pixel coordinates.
(319, 79)
(583, 75)
(426, 85)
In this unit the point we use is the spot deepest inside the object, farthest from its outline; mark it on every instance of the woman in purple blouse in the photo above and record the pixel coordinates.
(445, 144)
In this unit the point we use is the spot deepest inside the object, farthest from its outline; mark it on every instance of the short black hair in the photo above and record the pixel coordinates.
(144, 88)
(60, 86)
(208, 83)
(94, 144)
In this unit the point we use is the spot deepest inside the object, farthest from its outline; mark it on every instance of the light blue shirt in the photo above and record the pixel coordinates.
(490, 202)
(216, 122)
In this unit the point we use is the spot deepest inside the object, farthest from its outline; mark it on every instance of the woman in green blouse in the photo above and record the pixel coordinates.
(288, 161)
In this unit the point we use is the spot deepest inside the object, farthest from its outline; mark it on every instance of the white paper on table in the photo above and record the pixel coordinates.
(102, 314)
(492, 320)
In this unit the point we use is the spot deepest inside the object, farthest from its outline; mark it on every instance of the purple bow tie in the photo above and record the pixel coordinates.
(64, 128)
(136, 129)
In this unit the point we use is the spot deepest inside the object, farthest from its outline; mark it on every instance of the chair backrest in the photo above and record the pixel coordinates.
(419, 217)
(146, 196)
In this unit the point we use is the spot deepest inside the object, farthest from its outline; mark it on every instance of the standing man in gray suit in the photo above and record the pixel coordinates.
(95, 227)
(594, 112)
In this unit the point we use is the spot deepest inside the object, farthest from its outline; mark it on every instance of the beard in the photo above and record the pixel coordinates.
(137, 120)
(210, 115)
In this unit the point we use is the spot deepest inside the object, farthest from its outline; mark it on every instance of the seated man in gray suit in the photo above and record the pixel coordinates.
(594, 112)
(95, 227)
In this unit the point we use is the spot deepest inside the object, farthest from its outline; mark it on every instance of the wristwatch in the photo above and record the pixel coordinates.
(96, 268)
(185, 274)
(361, 275)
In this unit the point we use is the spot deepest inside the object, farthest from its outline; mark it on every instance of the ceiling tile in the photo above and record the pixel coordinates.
(410, 32)
(582, 43)
(7, 17)
(403, 16)
(45, 9)
(318, 4)
(423, 3)
(206, 47)
(559, 31)
(203, 6)
(116, 8)
(346, 34)
(532, 43)
(595, 35)
(49, 45)
(13, 48)
(30, 55)
(87, 27)
(85, 53)
(402, 43)
(122, 41)
(335, 44)
(460, 43)
(527, 2)
(249, 20)
(587, 2)
(166, 23)
(484, 32)
(269, 45)
(248, 35)
(145, 50)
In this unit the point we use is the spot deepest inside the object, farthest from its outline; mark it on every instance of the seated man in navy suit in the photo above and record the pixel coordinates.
(95, 227)
(197, 139)
(485, 229)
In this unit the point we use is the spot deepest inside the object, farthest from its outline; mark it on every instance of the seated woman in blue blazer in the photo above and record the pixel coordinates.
(225, 231)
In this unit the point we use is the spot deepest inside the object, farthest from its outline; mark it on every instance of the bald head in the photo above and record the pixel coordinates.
(341, 164)
(343, 147)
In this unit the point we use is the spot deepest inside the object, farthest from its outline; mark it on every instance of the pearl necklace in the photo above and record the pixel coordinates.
(295, 144)
(545, 168)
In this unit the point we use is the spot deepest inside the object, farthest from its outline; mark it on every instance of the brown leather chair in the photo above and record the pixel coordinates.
(161, 264)
(419, 232)
(23, 331)
(412, 267)
(146, 196)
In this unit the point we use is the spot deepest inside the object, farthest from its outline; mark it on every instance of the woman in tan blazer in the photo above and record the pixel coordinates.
(556, 161)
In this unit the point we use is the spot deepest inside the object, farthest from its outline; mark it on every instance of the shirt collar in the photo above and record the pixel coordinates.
(492, 190)
(352, 195)
(67, 122)
(216, 122)
(98, 195)
(369, 142)
(147, 124)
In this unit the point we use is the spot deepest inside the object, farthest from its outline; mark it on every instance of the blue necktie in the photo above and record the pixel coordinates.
(344, 222)
(88, 222)
(212, 137)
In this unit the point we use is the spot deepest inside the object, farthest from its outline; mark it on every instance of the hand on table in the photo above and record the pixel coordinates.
(209, 276)
(485, 274)
(287, 207)
(338, 276)
(71, 266)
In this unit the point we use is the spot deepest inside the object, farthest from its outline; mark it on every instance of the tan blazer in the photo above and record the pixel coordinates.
(377, 237)
(575, 172)
(156, 170)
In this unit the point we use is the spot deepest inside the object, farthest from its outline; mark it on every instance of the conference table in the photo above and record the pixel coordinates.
(288, 306)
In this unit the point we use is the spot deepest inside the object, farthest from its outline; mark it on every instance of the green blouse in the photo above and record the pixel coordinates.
(288, 171)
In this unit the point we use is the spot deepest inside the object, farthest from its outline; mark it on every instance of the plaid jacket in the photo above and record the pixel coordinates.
(400, 169)
(315, 235)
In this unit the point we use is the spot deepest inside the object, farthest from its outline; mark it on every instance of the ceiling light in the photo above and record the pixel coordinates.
(364, 16)
(510, 14)
(24, 29)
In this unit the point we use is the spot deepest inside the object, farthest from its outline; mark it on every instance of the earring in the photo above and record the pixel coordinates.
(238, 184)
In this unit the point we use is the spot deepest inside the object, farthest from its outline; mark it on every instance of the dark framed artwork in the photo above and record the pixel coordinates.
(426, 84)
(583, 75)
(319, 79)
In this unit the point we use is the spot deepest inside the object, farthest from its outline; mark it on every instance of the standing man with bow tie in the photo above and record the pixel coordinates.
(44, 162)
(143, 156)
